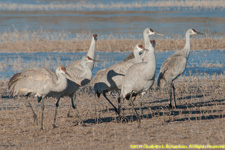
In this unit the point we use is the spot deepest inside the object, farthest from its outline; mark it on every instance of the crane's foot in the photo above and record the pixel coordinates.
(130, 104)
(139, 123)
(54, 126)
(172, 107)
(122, 119)
(79, 123)
(69, 116)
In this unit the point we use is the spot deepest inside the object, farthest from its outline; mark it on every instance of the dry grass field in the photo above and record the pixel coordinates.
(108, 45)
(198, 119)
(25, 41)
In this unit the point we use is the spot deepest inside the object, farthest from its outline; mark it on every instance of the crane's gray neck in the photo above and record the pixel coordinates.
(91, 51)
(137, 56)
(151, 54)
(187, 47)
(146, 40)
(151, 63)
(85, 68)
(60, 82)
(147, 45)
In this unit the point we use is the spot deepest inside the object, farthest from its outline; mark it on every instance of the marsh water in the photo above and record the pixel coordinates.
(122, 19)
(200, 62)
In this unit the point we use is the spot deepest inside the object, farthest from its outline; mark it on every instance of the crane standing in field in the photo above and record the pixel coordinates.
(139, 78)
(111, 79)
(146, 35)
(80, 74)
(38, 81)
(90, 53)
(175, 65)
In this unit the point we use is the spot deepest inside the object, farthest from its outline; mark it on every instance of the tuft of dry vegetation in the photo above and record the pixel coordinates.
(199, 119)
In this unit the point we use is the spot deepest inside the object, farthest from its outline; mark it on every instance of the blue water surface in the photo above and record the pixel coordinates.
(197, 63)
(121, 22)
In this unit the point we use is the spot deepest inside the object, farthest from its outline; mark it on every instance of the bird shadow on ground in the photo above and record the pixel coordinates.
(202, 114)
(180, 98)
(162, 101)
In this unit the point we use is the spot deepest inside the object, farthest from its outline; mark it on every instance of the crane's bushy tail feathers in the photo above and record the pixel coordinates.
(161, 80)
(12, 82)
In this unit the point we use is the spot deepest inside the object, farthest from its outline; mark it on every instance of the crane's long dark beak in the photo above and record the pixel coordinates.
(145, 50)
(96, 60)
(67, 74)
(200, 33)
(158, 33)
(93, 59)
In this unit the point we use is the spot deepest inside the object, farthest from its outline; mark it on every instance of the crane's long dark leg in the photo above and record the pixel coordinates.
(56, 111)
(42, 114)
(174, 97)
(170, 91)
(133, 100)
(34, 114)
(73, 98)
(137, 115)
(140, 106)
(68, 113)
(111, 103)
(119, 104)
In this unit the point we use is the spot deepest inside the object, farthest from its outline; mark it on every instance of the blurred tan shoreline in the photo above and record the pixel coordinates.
(108, 45)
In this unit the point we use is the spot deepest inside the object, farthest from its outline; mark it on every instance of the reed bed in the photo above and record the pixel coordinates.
(41, 41)
(79, 6)
(198, 119)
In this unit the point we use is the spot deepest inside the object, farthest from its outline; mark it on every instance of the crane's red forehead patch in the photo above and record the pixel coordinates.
(152, 41)
(194, 30)
(63, 68)
(151, 30)
(140, 46)
(89, 58)
(95, 35)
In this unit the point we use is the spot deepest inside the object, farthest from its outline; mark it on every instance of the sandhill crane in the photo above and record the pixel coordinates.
(111, 79)
(175, 65)
(139, 78)
(75, 80)
(81, 74)
(90, 53)
(146, 35)
(38, 81)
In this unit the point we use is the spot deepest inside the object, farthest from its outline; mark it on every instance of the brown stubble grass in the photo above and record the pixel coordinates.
(114, 45)
(199, 119)
(16, 41)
